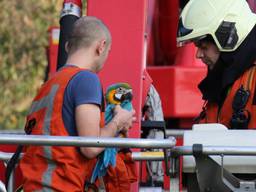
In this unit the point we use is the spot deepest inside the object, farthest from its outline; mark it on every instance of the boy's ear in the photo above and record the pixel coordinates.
(101, 47)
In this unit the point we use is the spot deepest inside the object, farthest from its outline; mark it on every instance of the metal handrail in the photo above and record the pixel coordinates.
(181, 150)
(86, 141)
(19, 139)
(136, 156)
(148, 156)
(188, 150)
(2, 187)
(5, 156)
(175, 132)
(217, 150)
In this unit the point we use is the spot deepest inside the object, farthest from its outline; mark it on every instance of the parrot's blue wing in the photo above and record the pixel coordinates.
(108, 156)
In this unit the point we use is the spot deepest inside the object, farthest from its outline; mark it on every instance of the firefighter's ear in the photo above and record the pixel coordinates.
(66, 47)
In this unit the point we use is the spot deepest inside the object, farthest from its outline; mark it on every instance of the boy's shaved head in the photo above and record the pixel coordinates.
(85, 31)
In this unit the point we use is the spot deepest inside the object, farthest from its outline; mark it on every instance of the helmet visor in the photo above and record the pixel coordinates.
(182, 30)
(195, 40)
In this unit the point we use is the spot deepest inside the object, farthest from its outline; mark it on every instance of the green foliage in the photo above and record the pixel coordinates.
(23, 39)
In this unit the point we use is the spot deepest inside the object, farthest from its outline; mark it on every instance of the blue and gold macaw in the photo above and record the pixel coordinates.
(117, 94)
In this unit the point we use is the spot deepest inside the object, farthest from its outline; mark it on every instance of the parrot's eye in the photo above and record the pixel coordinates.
(120, 90)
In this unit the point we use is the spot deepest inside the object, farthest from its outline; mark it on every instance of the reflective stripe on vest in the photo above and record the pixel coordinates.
(46, 102)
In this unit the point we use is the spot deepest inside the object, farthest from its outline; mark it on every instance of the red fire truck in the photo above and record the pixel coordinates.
(144, 53)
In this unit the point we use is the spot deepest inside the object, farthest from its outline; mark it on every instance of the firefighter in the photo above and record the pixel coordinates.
(225, 35)
(70, 104)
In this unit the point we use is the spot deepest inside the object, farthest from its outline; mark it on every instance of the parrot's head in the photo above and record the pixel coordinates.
(118, 92)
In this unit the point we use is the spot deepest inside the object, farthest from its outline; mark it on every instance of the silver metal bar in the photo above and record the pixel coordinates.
(5, 156)
(217, 150)
(2, 187)
(136, 156)
(10, 186)
(86, 141)
(19, 132)
(175, 132)
(184, 150)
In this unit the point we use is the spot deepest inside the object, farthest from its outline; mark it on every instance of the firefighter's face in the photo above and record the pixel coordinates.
(208, 52)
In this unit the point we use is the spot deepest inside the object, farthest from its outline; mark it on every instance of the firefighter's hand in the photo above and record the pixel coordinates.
(123, 118)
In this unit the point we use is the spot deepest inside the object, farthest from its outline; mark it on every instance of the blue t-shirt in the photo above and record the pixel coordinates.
(83, 88)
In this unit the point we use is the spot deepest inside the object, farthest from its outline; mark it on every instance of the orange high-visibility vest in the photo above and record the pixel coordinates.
(223, 115)
(55, 168)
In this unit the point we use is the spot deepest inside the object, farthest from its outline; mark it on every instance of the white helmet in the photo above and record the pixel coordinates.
(227, 21)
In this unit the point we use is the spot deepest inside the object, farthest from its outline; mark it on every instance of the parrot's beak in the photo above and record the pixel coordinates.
(125, 95)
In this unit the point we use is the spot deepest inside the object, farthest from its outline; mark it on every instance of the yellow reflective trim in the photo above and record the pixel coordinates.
(149, 154)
